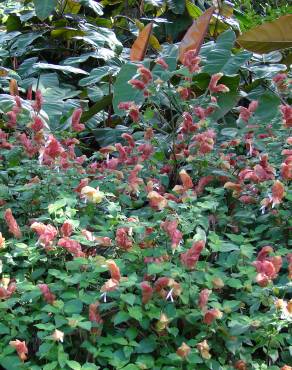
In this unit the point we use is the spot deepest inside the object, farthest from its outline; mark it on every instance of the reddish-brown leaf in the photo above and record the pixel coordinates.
(140, 45)
(13, 88)
(194, 36)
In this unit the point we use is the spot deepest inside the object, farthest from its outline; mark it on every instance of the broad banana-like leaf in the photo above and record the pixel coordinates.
(194, 37)
(269, 36)
(140, 45)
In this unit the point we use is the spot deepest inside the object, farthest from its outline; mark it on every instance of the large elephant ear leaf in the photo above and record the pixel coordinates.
(195, 35)
(269, 36)
(140, 45)
(44, 8)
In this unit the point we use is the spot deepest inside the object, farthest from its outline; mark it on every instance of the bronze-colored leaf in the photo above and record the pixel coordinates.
(140, 45)
(194, 37)
(13, 88)
(269, 36)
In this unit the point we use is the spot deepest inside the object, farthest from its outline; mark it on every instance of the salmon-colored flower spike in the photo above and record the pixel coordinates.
(203, 298)
(82, 184)
(186, 180)
(6, 293)
(46, 233)
(192, 61)
(49, 297)
(94, 315)
(20, 347)
(131, 108)
(212, 315)
(114, 270)
(137, 84)
(203, 348)
(183, 351)
(191, 257)
(145, 74)
(213, 87)
(170, 227)
(134, 181)
(12, 119)
(130, 140)
(246, 113)
(67, 228)
(162, 63)
(37, 124)
(286, 111)
(37, 105)
(12, 224)
(72, 246)
(289, 258)
(122, 238)
(147, 291)
(184, 92)
(76, 116)
(278, 192)
(156, 200)
(2, 241)
(203, 113)
(240, 365)
(27, 144)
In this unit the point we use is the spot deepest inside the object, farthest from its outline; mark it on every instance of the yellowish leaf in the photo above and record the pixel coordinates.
(269, 36)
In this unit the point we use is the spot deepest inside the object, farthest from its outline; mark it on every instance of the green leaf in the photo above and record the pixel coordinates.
(50, 366)
(97, 107)
(131, 367)
(193, 10)
(4, 329)
(177, 6)
(135, 312)
(73, 306)
(121, 317)
(123, 91)
(96, 7)
(87, 325)
(74, 365)
(225, 103)
(220, 59)
(129, 298)
(90, 366)
(61, 68)
(95, 76)
(147, 345)
(62, 356)
(44, 8)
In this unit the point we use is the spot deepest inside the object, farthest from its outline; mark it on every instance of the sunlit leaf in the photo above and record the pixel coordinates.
(60, 68)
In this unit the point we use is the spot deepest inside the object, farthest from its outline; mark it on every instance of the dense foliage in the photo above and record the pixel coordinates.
(145, 207)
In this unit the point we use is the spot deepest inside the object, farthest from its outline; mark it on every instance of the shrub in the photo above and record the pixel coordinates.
(167, 250)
